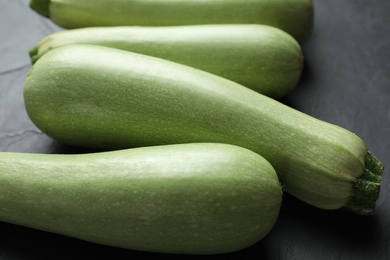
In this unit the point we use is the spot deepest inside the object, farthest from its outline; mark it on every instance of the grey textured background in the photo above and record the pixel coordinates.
(346, 82)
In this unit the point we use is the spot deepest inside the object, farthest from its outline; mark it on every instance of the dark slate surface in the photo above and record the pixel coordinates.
(346, 82)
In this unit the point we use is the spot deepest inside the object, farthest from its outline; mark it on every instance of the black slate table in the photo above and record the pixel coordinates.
(346, 82)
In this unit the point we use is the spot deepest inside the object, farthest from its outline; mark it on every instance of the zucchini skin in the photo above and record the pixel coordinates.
(101, 97)
(260, 57)
(182, 199)
(293, 16)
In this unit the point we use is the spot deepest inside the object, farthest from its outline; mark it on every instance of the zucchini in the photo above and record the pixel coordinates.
(260, 57)
(102, 97)
(183, 199)
(293, 16)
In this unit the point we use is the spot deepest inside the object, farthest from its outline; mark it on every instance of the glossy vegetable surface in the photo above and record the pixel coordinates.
(96, 96)
(292, 16)
(260, 57)
(188, 199)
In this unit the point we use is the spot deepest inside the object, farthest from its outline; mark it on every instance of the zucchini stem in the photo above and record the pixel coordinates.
(33, 54)
(41, 7)
(366, 188)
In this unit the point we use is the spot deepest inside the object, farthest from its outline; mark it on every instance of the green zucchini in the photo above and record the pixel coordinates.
(182, 199)
(260, 57)
(292, 16)
(102, 97)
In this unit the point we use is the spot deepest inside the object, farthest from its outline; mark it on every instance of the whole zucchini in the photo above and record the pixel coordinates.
(292, 16)
(260, 57)
(187, 199)
(96, 96)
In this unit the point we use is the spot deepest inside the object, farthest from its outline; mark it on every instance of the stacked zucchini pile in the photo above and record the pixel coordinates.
(182, 98)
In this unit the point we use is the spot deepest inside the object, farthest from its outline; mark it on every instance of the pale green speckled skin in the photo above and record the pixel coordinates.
(293, 16)
(96, 96)
(259, 57)
(189, 198)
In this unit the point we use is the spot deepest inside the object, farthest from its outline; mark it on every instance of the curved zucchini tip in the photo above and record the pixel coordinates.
(41, 6)
(366, 189)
